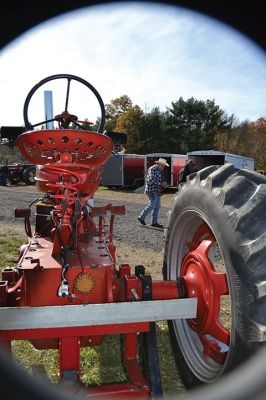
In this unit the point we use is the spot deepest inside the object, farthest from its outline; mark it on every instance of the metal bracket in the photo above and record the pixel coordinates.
(15, 318)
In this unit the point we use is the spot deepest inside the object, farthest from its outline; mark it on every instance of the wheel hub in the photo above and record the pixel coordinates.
(207, 285)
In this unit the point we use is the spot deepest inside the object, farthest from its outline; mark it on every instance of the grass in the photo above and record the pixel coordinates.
(9, 245)
(100, 364)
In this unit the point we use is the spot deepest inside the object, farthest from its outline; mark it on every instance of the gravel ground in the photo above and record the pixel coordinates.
(127, 229)
(135, 243)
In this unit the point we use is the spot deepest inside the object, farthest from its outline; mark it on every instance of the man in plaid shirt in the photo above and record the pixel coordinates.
(155, 183)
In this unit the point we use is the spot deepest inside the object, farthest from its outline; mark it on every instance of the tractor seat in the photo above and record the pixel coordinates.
(65, 145)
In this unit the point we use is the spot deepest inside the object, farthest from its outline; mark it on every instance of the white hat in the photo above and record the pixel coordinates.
(162, 161)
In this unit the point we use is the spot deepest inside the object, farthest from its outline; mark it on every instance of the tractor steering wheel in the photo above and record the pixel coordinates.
(65, 118)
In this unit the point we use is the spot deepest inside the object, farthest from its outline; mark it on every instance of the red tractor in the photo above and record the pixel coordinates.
(67, 292)
(18, 172)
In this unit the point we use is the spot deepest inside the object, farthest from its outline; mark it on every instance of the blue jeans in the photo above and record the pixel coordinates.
(3, 179)
(153, 206)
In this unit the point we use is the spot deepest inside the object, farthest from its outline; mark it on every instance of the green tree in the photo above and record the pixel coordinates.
(152, 132)
(94, 127)
(88, 125)
(195, 123)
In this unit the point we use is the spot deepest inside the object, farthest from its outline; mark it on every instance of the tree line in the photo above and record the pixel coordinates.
(187, 125)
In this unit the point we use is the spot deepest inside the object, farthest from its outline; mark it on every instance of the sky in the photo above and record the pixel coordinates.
(154, 53)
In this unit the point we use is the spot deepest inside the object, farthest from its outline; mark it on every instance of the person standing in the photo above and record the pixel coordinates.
(3, 175)
(154, 185)
(189, 168)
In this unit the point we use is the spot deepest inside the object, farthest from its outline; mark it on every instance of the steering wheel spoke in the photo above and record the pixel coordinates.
(67, 93)
(42, 123)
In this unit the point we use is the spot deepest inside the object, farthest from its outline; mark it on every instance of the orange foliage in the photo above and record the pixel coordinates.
(247, 139)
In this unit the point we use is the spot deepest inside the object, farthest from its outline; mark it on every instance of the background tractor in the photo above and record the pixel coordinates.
(21, 173)
(19, 170)
(67, 291)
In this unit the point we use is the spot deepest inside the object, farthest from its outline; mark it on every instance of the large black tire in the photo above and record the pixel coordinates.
(230, 205)
(14, 179)
(149, 359)
(29, 175)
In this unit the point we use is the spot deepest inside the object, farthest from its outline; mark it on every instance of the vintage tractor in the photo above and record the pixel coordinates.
(67, 292)
(19, 172)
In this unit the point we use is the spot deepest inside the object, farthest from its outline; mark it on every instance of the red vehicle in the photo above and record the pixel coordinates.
(175, 161)
(22, 173)
(67, 291)
(17, 172)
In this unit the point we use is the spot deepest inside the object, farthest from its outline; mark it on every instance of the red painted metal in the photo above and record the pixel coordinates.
(6, 346)
(70, 259)
(122, 390)
(162, 290)
(131, 362)
(3, 292)
(69, 359)
(133, 169)
(207, 285)
(48, 333)
(73, 246)
(65, 146)
(178, 162)
(133, 288)
(124, 270)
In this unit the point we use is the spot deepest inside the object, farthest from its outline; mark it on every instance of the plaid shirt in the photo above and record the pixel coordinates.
(154, 178)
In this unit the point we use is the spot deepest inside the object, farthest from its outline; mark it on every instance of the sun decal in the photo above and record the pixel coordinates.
(84, 283)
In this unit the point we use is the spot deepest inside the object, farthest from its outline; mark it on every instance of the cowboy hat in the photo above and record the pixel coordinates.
(162, 161)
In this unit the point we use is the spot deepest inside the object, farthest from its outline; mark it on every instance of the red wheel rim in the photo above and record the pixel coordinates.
(208, 286)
